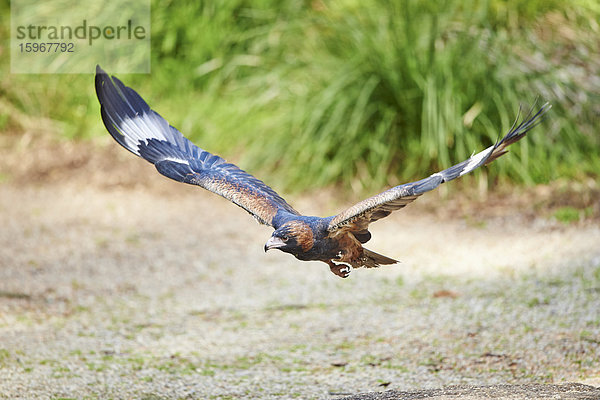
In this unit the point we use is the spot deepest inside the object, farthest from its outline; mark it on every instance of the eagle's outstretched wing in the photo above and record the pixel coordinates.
(357, 218)
(145, 133)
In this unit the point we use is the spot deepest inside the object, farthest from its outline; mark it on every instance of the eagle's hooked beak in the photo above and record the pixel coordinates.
(273, 243)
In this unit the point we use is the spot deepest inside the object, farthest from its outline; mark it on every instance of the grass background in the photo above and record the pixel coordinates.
(360, 94)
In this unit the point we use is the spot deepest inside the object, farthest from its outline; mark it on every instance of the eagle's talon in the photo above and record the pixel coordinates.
(341, 269)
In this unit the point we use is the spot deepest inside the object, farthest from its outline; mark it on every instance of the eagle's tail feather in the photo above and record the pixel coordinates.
(372, 259)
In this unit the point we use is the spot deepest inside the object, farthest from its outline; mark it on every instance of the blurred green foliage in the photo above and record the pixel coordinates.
(363, 93)
(568, 214)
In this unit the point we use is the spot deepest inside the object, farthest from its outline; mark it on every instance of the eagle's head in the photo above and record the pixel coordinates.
(293, 237)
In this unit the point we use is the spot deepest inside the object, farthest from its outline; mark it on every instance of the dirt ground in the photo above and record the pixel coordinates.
(118, 283)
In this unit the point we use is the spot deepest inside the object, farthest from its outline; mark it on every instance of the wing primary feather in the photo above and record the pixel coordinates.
(142, 131)
(359, 216)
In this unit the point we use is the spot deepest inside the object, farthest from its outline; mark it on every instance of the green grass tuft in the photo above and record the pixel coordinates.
(568, 214)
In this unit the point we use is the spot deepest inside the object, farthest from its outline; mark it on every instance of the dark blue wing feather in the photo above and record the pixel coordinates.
(358, 217)
(142, 131)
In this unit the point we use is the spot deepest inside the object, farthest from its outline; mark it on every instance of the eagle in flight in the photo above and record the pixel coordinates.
(337, 240)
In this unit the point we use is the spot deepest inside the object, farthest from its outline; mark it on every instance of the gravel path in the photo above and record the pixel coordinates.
(570, 391)
(163, 291)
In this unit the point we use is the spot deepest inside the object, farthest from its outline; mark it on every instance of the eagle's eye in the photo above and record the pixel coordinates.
(285, 238)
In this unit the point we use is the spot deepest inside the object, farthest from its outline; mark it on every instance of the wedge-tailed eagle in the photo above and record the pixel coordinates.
(336, 240)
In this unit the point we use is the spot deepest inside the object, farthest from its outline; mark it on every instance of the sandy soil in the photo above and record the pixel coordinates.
(117, 283)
